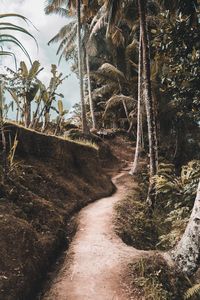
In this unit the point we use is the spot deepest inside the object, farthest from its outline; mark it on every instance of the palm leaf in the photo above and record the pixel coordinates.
(114, 10)
(65, 32)
(11, 39)
(112, 71)
(110, 88)
(193, 291)
(116, 99)
(99, 25)
(68, 40)
(8, 53)
(10, 26)
(61, 11)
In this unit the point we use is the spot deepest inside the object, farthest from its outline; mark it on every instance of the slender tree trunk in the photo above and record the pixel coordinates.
(3, 139)
(85, 128)
(94, 123)
(139, 116)
(126, 110)
(35, 114)
(187, 252)
(27, 113)
(148, 100)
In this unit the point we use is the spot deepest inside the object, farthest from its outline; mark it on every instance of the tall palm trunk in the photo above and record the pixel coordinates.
(3, 139)
(80, 67)
(148, 98)
(139, 116)
(94, 123)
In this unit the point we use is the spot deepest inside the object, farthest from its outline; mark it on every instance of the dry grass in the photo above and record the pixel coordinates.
(152, 279)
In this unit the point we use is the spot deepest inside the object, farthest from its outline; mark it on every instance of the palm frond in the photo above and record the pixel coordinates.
(116, 99)
(53, 5)
(61, 11)
(114, 12)
(110, 88)
(8, 53)
(118, 38)
(67, 52)
(193, 291)
(65, 32)
(112, 71)
(9, 26)
(102, 22)
(11, 39)
(68, 40)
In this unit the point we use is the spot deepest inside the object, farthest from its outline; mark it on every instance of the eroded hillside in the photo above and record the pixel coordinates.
(51, 180)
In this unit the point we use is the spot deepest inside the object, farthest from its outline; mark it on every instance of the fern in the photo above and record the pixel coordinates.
(177, 195)
(193, 291)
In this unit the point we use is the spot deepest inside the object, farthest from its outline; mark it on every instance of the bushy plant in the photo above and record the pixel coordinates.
(176, 194)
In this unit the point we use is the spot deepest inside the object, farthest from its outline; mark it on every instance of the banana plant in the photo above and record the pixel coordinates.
(50, 94)
(23, 87)
(60, 119)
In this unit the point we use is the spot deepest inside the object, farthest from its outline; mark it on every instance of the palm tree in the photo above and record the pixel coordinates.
(139, 115)
(3, 139)
(94, 122)
(148, 92)
(57, 7)
(80, 68)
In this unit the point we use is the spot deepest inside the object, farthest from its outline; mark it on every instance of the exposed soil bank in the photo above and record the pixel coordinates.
(52, 180)
(97, 258)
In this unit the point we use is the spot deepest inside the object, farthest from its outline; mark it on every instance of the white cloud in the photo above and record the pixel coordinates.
(47, 27)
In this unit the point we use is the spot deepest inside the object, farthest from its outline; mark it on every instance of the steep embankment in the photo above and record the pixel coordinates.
(51, 180)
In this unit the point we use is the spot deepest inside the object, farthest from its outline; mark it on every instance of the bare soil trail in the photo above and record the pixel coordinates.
(97, 258)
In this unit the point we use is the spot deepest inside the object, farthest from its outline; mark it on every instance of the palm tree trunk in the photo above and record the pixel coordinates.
(94, 123)
(139, 116)
(85, 128)
(187, 252)
(3, 139)
(148, 99)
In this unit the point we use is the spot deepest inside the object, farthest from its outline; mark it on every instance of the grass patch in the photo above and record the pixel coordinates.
(152, 279)
(133, 224)
(83, 142)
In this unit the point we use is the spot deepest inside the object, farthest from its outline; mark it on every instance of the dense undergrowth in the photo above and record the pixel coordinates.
(151, 278)
(162, 230)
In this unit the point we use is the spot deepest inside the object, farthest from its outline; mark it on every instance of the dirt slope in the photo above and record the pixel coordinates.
(97, 258)
(52, 179)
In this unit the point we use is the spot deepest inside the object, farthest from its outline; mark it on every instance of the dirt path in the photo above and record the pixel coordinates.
(97, 257)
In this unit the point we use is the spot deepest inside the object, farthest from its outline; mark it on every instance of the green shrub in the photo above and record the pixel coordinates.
(175, 196)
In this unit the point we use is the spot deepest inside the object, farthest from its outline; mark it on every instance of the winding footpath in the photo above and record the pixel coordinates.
(97, 258)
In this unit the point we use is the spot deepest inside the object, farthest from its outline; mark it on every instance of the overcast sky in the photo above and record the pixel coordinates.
(47, 27)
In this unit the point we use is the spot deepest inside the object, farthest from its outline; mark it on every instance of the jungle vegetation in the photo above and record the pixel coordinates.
(138, 67)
